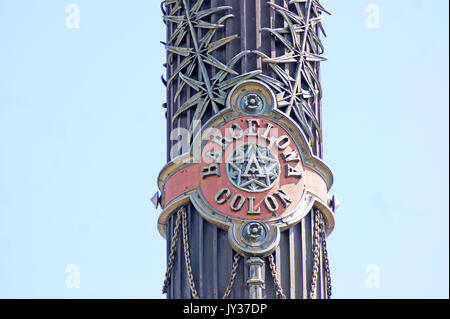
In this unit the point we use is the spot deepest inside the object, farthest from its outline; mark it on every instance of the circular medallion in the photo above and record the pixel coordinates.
(252, 103)
(253, 167)
(252, 98)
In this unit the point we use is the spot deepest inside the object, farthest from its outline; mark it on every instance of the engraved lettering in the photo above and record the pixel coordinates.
(216, 156)
(292, 172)
(291, 157)
(251, 207)
(253, 125)
(222, 141)
(265, 135)
(237, 202)
(236, 132)
(211, 170)
(271, 204)
(222, 196)
(284, 198)
(283, 142)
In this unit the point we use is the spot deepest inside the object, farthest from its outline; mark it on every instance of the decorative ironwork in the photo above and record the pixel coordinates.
(182, 222)
(299, 94)
(253, 167)
(211, 91)
(171, 257)
(252, 103)
(316, 254)
(273, 269)
(262, 100)
(320, 243)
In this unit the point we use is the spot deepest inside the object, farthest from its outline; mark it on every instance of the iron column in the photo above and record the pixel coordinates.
(245, 193)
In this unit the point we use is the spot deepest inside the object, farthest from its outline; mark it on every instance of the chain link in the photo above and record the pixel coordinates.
(273, 268)
(173, 248)
(187, 257)
(237, 257)
(319, 237)
(316, 253)
(325, 256)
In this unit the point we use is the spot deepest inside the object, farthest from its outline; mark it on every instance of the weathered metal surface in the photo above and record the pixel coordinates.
(212, 45)
(286, 168)
(212, 263)
(275, 193)
(255, 281)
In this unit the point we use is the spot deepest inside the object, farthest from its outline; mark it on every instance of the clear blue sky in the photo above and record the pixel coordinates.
(82, 141)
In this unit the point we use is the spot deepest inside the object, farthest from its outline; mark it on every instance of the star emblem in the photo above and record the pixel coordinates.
(253, 168)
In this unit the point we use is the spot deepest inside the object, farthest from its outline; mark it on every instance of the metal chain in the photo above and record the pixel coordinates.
(187, 257)
(171, 257)
(316, 252)
(325, 256)
(319, 233)
(273, 268)
(237, 257)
